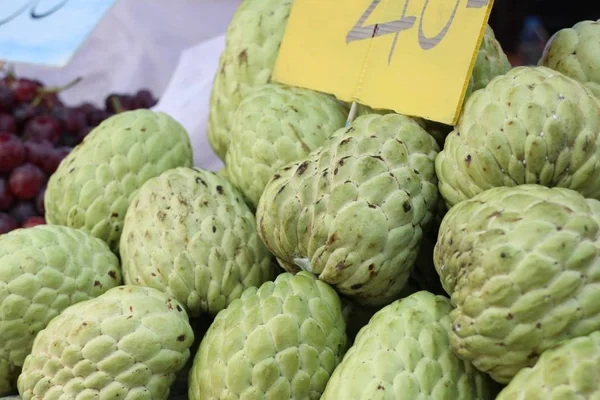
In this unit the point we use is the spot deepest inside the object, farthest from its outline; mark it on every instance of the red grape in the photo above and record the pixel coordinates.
(7, 223)
(22, 211)
(42, 127)
(33, 221)
(8, 123)
(143, 99)
(12, 152)
(25, 90)
(38, 153)
(6, 197)
(23, 113)
(39, 201)
(7, 98)
(26, 181)
(97, 116)
(73, 119)
(56, 156)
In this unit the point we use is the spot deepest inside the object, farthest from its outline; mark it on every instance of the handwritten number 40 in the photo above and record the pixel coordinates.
(361, 32)
(34, 12)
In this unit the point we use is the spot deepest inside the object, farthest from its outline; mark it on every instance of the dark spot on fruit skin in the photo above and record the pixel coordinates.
(331, 239)
(372, 205)
(131, 316)
(302, 168)
(377, 157)
(559, 228)
(243, 56)
(356, 286)
(450, 242)
(180, 338)
(71, 170)
(281, 189)
(509, 316)
(115, 215)
(153, 274)
(97, 283)
(84, 324)
(350, 129)
(214, 229)
(371, 267)
(497, 214)
(294, 109)
(340, 267)
(335, 171)
(179, 309)
(406, 206)
(468, 159)
(341, 162)
(112, 274)
(538, 325)
(161, 215)
(219, 189)
(502, 255)
(276, 176)
(532, 355)
(143, 129)
(130, 309)
(379, 387)
(345, 141)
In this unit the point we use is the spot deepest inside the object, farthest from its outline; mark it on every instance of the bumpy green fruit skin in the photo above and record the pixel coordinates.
(189, 234)
(125, 344)
(530, 126)
(280, 341)
(251, 46)
(491, 61)
(275, 125)
(569, 371)
(43, 270)
(353, 211)
(404, 353)
(522, 265)
(575, 52)
(93, 186)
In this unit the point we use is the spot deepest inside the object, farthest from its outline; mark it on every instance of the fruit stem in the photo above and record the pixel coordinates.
(352, 113)
(116, 104)
(41, 92)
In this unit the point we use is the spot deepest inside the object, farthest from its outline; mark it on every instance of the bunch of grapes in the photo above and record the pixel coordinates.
(36, 132)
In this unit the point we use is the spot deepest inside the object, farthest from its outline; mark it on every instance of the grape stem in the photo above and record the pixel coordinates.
(42, 92)
(116, 104)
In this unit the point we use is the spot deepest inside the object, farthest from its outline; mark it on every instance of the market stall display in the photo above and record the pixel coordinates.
(342, 252)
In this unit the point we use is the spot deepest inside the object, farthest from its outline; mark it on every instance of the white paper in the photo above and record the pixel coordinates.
(187, 97)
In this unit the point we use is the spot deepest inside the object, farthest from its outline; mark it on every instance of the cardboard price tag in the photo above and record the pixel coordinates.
(411, 56)
(47, 32)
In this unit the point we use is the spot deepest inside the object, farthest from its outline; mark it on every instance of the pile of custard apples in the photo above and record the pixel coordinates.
(335, 256)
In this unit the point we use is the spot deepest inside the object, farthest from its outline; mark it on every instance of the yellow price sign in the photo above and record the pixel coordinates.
(411, 56)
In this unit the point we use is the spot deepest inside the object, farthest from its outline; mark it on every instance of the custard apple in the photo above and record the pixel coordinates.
(575, 52)
(353, 211)
(189, 234)
(43, 270)
(280, 341)
(252, 43)
(569, 371)
(522, 266)
(275, 125)
(125, 344)
(530, 126)
(93, 186)
(404, 353)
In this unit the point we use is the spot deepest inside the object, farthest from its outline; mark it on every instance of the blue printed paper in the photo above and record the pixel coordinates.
(47, 32)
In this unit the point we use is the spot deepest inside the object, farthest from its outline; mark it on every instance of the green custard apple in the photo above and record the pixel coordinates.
(532, 125)
(128, 343)
(252, 43)
(353, 211)
(93, 186)
(522, 266)
(189, 233)
(568, 371)
(275, 125)
(575, 52)
(404, 353)
(44, 270)
(280, 341)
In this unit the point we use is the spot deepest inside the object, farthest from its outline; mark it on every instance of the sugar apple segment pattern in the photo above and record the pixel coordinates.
(532, 125)
(404, 353)
(93, 186)
(126, 344)
(189, 233)
(353, 211)
(275, 125)
(575, 52)
(522, 265)
(569, 371)
(251, 46)
(280, 341)
(43, 270)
